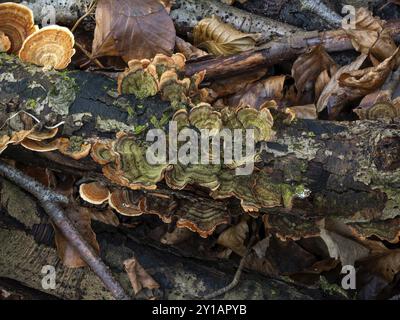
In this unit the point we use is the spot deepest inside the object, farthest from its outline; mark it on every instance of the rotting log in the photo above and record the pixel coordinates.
(351, 170)
(27, 245)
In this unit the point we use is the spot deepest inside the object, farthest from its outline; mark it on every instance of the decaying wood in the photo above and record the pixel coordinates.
(352, 169)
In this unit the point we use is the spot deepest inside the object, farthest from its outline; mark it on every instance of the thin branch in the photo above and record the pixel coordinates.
(89, 55)
(51, 201)
(88, 12)
(237, 276)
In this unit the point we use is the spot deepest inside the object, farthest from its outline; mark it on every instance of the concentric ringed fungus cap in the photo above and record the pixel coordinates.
(50, 47)
(94, 193)
(16, 22)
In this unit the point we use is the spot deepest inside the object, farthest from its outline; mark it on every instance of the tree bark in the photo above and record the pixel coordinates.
(352, 169)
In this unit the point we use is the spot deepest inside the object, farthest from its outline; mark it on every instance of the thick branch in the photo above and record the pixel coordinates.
(352, 169)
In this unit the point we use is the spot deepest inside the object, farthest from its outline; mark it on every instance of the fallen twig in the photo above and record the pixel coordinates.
(51, 201)
(278, 51)
(319, 8)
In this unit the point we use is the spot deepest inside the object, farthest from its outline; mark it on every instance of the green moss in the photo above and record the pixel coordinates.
(141, 84)
(31, 104)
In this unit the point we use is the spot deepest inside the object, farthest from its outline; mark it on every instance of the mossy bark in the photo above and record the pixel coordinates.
(350, 169)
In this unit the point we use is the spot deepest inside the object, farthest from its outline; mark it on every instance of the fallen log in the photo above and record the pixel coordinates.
(348, 170)
(27, 245)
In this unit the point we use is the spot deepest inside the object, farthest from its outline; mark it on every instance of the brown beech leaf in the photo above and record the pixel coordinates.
(371, 37)
(309, 66)
(308, 111)
(258, 93)
(138, 276)
(234, 237)
(333, 96)
(231, 85)
(132, 29)
(80, 217)
(221, 38)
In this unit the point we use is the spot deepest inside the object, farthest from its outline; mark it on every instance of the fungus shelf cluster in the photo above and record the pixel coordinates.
(50, 47)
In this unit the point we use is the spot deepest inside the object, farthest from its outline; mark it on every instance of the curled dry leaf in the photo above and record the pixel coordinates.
(308, 68)
(333, 96)
(16, 23)
(80, 217)
(138, 276)
(234, 237)
(383, 103)
(362, 82)
(256, 94)
(50, 47)
(371, 37)
(221, 38)
(132, 29)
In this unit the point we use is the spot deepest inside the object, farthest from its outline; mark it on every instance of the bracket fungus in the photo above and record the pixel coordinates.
(145, 78)
(74, 148)
(16, 24)
(50, 47)
(5, 43)
(94, 193)
(139, 79)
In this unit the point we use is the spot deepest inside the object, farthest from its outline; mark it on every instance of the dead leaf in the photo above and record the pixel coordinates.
(258, 93)
(386, 264)
(234, 237)
(345, 249)
(80, 217)
(138, 276)
(309, 66)
(371, 37)
(178, 235)
(132, 29)
(303, 112)
(221, 38)
(333, 96)
(365, 81)
(106, 216)
(231, 85)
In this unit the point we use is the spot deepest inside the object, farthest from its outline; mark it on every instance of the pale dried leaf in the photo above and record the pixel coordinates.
(234, 237)
(346, 250)
(221, 38)
(138, 276)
